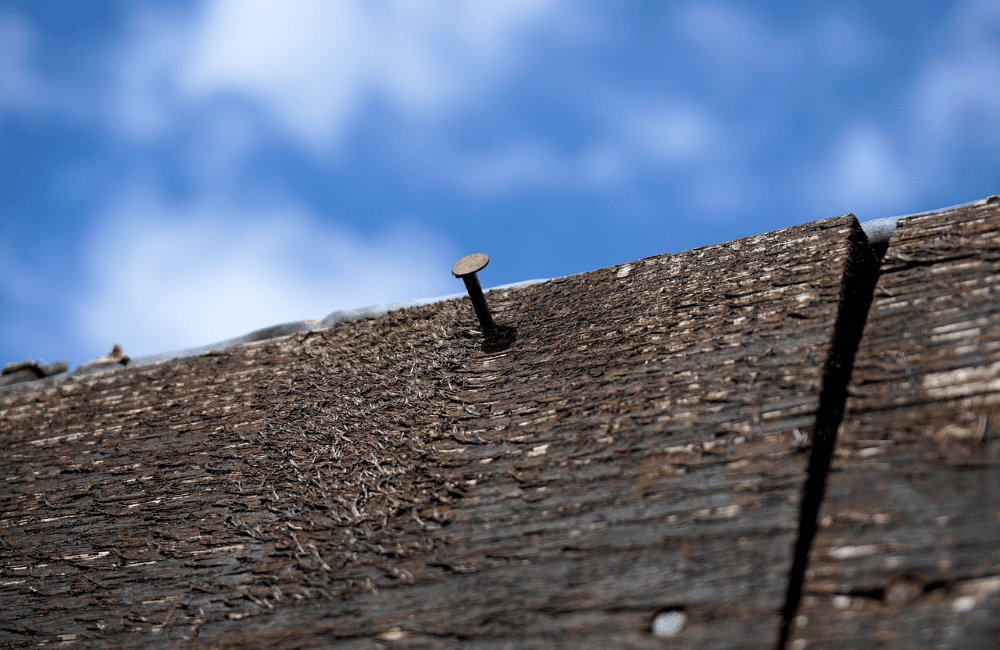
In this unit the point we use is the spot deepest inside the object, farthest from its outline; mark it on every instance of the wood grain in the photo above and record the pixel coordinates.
(638, 442)
(908, 552)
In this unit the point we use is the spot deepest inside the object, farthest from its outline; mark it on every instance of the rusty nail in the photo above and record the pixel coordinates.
(466, 269)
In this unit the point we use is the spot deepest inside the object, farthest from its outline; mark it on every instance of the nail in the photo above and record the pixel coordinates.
(466, 268)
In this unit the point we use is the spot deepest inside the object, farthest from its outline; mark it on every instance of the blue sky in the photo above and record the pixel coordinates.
(178, 173)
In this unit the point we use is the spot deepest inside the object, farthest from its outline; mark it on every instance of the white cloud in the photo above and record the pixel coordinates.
(863, 175)
(653, 135)
(311, 65)
(305, 61)
(430, 54)
(958, 94)
(953, 96)
(144, 101)
(532, 164)
(160, 278)
(314, 64)
(672, 133)
(517, 165)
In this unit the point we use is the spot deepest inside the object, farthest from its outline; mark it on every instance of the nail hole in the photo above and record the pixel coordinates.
(668, 623)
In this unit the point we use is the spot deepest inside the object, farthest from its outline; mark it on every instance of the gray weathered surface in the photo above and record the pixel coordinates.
(641, 444)
(908, 553)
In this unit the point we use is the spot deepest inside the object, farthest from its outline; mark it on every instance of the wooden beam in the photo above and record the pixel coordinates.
(908, 549)
(637, 444)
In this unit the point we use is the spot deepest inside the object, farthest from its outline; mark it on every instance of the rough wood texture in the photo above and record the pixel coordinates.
(908, 552)
(641, 444)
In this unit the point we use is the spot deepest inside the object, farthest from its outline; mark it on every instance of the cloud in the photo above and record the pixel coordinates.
(532, 164)
(314, 64)
(160, 278)
(143, 101)
(224, 77)
(672, 133)
(305, 61)
(957, 96)
(863, 174)
(515, 166)
(953, 96)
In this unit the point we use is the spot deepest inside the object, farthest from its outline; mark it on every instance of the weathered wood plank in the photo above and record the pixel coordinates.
(642, 445)
(908, 553)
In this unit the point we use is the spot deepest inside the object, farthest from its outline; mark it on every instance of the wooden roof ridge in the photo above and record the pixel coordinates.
(907, 550)
(688, 448)
(48, 374)
(878, 231)
(644, 414)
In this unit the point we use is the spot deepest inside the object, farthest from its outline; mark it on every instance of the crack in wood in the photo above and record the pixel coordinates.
(857, 289)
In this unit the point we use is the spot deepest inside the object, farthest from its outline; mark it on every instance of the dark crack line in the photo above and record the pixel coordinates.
(856, 292)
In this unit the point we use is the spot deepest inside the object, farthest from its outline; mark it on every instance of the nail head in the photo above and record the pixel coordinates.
(470, 264)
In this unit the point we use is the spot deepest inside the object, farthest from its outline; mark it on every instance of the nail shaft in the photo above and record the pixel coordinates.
(479, 303)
